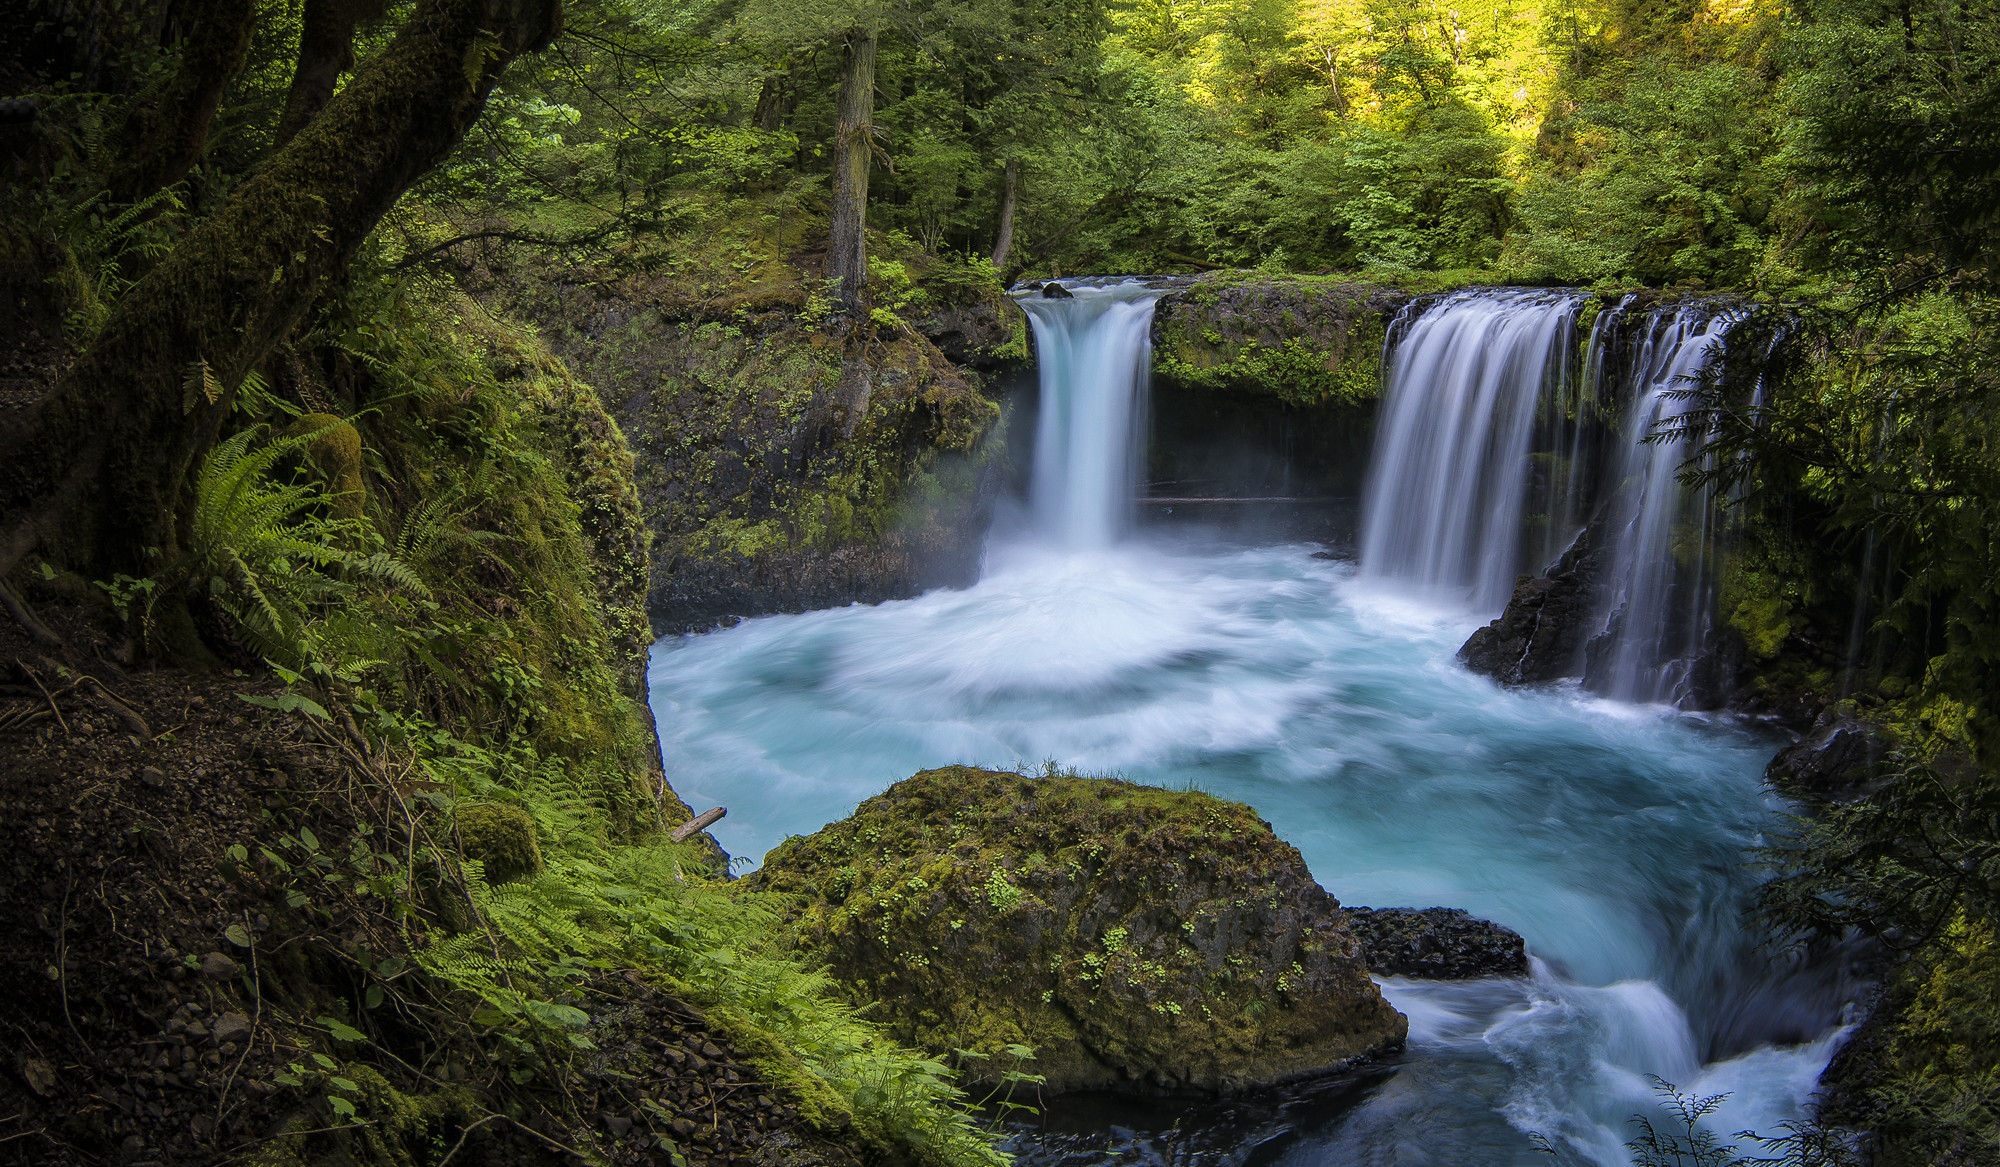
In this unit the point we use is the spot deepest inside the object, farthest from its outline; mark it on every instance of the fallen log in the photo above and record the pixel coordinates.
(697, 824)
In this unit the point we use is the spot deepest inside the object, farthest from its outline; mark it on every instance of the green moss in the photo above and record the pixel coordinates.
(1121, 931)
(500, 837)
(334, 452)
(390, 1128)
(1309, 342)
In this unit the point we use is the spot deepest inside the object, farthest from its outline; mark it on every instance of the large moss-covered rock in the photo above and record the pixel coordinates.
(1134, 937)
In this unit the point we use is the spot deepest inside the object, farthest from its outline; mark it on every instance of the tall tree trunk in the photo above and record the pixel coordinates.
(94, 471)
(854, 145)
(164, 138)
(771, 103)
(1003, 240)
(326, 50)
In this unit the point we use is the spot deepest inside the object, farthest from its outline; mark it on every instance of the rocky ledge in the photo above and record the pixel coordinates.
(1544, 633)
(1437, 944)
(1136, 939)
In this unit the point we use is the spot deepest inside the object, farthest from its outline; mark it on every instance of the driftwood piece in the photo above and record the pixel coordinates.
(697, 824)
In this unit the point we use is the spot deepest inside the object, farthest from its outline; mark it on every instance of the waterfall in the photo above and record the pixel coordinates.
(1660, 595)
(1492, 453)
(1092, 348)
(1463, 384)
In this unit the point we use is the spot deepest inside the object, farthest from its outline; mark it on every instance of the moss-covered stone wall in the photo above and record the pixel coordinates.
(1265, 385)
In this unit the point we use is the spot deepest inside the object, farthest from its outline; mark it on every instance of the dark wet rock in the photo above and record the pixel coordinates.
(1839, 759)
(1055, 291)
(983, 334)
(1438, 944)
(1543, 633)
(1138, 939)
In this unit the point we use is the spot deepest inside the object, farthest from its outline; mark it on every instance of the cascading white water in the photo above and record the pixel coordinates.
(1660, 595)
(1092, 349)
(1446, 490)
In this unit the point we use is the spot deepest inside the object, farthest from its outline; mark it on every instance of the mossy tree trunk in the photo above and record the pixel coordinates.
(326, 50)
(164, 138)
(1003, 241)
(94, 472)
(853, 149)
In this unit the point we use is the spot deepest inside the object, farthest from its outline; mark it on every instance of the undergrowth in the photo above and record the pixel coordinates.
(473, 639)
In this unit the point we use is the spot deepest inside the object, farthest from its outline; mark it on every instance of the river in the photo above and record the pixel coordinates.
(1611, 835)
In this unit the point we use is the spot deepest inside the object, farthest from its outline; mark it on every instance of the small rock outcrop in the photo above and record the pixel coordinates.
(1839, 759)
(1436, 944)
(1137, 939)
(1308, 342)
(1548, 622)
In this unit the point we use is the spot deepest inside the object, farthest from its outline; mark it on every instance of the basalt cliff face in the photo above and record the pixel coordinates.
(784, 460)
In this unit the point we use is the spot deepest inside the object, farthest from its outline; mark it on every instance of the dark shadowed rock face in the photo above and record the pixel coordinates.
(1548, 622)
(1438, 944)
(1839, 759)
(1137, 939)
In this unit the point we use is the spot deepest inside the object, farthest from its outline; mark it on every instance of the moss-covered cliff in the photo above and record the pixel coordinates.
(786, 461)
(1133, 937)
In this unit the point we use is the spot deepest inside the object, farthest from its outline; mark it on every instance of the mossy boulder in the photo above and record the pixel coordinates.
(333, 448)
(501, 838)
(1136, 938)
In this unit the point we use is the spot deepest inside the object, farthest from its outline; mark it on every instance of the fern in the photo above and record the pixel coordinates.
(655, 906)
(264, 551)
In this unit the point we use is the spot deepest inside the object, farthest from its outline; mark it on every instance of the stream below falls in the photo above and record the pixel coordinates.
(1611, 836)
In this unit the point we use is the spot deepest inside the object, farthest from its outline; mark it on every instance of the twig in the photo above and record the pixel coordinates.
(45, 695)
(125, 712)
(465, 1134)
(249, 1039)
(62, 958)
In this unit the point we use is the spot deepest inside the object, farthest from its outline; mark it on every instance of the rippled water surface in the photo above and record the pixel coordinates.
(1611, 837)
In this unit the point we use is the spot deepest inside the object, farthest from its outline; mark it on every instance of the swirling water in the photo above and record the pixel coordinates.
(1611, 836)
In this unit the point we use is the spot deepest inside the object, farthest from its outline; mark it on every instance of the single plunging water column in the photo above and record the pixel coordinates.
(1450, 474)
(1092, 348)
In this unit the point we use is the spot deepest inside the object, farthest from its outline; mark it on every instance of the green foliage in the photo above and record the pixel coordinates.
(1683, 1136)
(1895, 143)
(269, 554)
(659, 907)
(477, 646)
(1669, 181)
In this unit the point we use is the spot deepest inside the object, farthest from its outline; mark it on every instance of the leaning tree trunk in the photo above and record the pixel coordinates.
(326, 50)
(852, 152)
(1003, 241)
(94, 472)
(164, 138)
